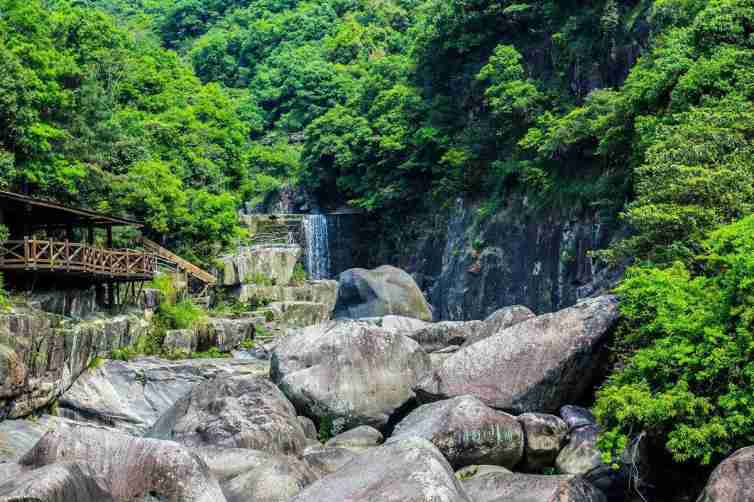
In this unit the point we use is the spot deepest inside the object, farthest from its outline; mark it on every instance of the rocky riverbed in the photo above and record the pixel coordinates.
(383, 407)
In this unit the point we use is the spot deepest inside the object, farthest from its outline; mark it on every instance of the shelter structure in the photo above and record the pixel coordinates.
(68, 245)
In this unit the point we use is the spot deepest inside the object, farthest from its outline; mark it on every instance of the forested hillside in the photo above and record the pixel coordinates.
(179, 111)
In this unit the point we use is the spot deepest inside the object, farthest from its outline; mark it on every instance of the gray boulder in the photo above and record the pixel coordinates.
(401, 324)
(536, 365)
(357, 439)
(411, 470)
(731, 481)
(495, 485)
(64, 482)
(580, 455)
(379, 292)
(499, 320)
(576, 416)
(326, 460)
(132, 395)
(227, 334)
(545, 435)
(440, 335)
(257, 476)
(128, 468)
(466, 431)
(181, 340)
(352, 373)
(237, 412)
(19, 436)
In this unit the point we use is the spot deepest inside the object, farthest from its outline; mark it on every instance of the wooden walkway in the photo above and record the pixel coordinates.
(77, 258)
(180, 263)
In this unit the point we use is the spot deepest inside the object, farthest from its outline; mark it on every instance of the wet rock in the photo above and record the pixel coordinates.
(357, 439)
(466, 431)
(410, 470)
(545, 434)
(326, 460)
(352, 373)
(132, 395)
(379, 292)
(731, 481)
(495, 485)
(257, 476)
(64, 482)
(499, 320)
(235, 411)
(127, 467)
(536, 365)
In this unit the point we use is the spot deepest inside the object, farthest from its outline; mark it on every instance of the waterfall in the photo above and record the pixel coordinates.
(317, 246)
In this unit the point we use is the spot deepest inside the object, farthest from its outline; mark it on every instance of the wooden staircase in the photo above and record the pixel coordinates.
(179, 263)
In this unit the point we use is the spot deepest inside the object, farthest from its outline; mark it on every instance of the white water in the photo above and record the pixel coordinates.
(317, 246)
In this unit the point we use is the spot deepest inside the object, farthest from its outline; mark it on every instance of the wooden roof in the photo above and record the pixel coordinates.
(46, 212)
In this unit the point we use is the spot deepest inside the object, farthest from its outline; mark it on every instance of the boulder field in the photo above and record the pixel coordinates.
(382, 409)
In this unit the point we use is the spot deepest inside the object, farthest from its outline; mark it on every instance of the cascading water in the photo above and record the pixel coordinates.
(317, 246)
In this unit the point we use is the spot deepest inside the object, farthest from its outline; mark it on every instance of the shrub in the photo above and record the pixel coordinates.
(299, 275)
(182, 315)
(687, 339)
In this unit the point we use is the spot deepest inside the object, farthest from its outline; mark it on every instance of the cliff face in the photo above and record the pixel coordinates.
(470, 266)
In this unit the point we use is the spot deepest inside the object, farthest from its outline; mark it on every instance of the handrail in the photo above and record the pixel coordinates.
(35, 254)
(186, 265)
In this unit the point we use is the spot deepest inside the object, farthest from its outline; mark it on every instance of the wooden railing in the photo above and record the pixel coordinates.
(179, 262)
(32, 254)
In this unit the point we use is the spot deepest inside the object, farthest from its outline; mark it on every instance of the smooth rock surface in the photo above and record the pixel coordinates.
(499, 320)
(353, 373)
(132, 395)
(466, 431)
(494, 485)
(731, 481)
(580, 455)
(257, 476)
(537, 365)
(20, 435)
(64, 482)
(379, 292)
(440, 335)
(128, 467)
(228, 334)
(545, 435)
(326, 460)
(410, 470)
(234, 411)
(357, 439)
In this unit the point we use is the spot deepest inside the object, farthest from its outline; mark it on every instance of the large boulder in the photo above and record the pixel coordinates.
(499, 320)
(497, 485)
(257, 476)
(545, 435)
(348, 372)
(411, 470)
(533, 366)
(235, 411)
(466, 431)
(127, 467)
(580, 455)
(63, 482)
(357, 439)
(440, 335)
(132, 395)
(731, 481)
(379, 292)
(326, 460)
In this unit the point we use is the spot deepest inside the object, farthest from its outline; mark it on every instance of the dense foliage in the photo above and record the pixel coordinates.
(688, 336)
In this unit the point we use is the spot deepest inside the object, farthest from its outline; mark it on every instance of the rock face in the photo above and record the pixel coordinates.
(545, 435)
(256, 476)
(410, 470)
(131, 396)
(379, 292)
(237, 412)
(580, 455)
(324, 292)
(181, 340)
(127, 467)
(19, 436)
(536, 365)
(352, 373)
(275, 263)
(731, 481)
(300, 314)
(41, 354)
(466, 431)
(54, 483)
(326, 460)
(495, 485)
(227, 334)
